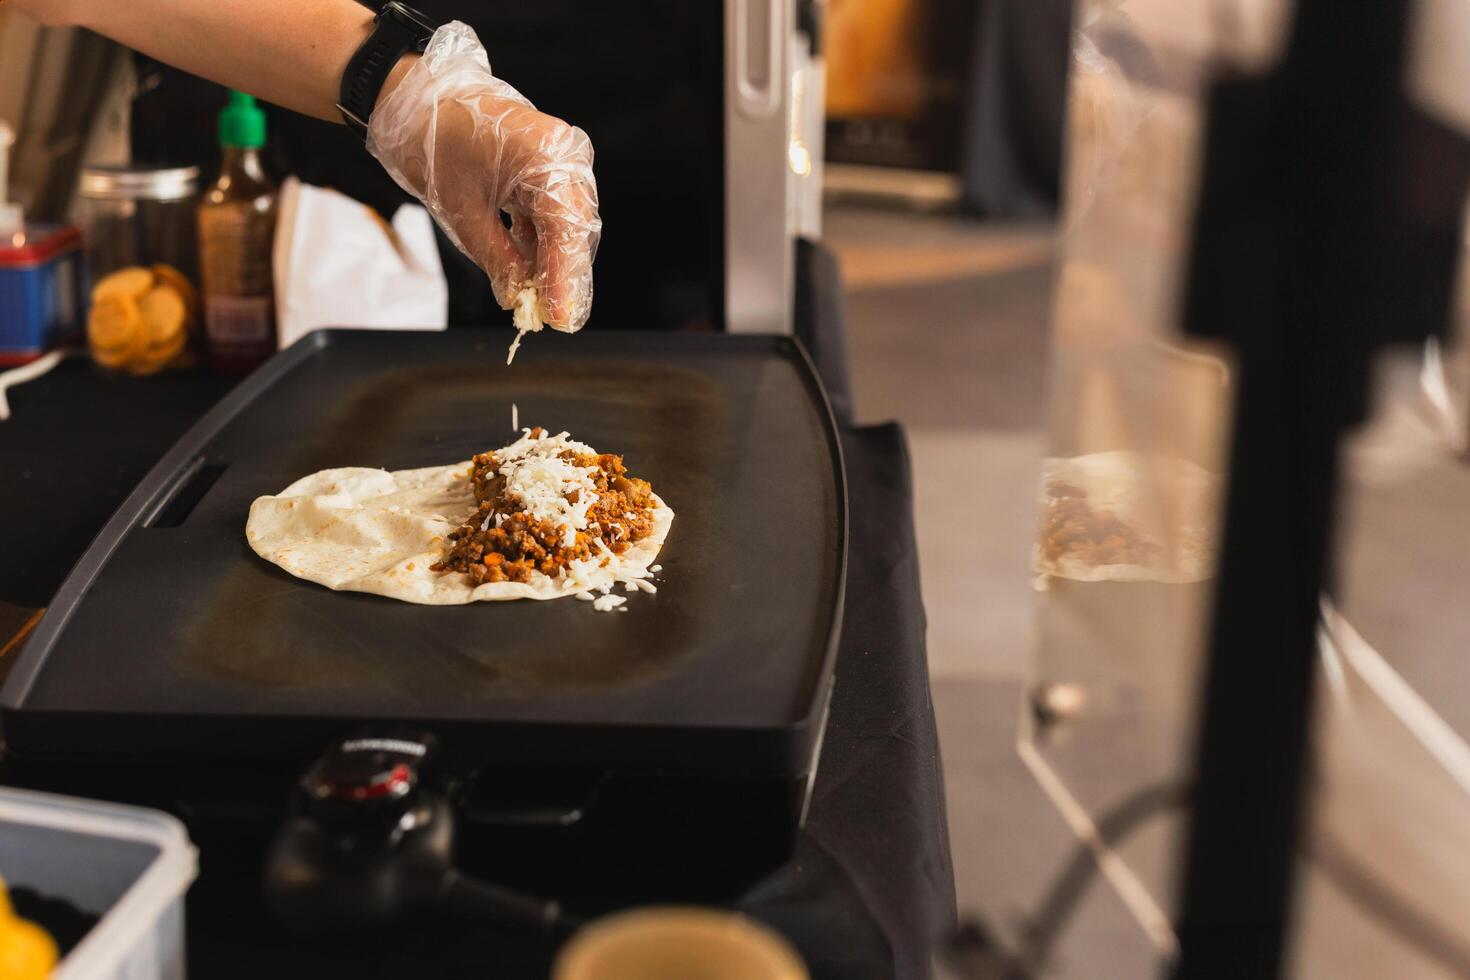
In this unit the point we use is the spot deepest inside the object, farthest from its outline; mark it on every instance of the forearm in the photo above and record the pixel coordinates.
(288, 52)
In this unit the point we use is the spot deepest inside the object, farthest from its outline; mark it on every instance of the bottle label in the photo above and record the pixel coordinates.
(238, 321)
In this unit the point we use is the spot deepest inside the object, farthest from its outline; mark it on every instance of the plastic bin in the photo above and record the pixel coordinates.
(128, 865)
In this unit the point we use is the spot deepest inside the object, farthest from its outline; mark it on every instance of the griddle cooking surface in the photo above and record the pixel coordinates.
(184, 641)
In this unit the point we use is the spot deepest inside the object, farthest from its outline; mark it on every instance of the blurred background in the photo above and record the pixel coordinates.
(1008, 187)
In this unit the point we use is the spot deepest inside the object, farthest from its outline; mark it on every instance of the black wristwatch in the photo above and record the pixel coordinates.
(397, 30)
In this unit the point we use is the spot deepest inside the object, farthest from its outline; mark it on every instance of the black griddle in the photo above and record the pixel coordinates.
(172, 641)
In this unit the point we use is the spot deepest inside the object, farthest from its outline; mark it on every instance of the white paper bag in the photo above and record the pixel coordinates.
(338, 264)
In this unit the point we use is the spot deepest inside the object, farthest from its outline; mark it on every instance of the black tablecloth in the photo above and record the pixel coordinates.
(78, 441)
(871, 887)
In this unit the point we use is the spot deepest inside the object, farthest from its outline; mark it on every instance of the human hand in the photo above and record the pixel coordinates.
(471, 148)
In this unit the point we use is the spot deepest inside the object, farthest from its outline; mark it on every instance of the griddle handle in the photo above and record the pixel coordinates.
(477, 899)
(188, 487)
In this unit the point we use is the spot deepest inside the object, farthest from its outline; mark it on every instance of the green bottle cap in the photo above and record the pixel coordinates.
(242, 123)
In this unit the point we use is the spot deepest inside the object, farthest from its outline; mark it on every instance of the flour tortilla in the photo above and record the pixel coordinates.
(363, 530)
(1169, 502)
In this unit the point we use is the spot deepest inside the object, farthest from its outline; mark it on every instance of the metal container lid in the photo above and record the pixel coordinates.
(133, 183)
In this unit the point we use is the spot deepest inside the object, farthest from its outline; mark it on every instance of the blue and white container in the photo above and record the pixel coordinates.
(40, 290)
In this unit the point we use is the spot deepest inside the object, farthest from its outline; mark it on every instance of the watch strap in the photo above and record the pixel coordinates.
(397, 30)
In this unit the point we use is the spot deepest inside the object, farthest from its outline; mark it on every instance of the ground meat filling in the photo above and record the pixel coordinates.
(502, 541)
(1072, 529)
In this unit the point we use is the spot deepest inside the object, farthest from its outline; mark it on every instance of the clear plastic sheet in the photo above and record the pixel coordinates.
(1129, 519)
(471, 147)
(1138, 433)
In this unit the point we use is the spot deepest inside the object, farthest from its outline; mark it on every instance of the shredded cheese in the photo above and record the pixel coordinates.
(537, 476)
(540, 482)
(527, 318)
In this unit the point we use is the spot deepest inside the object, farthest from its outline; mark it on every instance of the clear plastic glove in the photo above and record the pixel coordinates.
(471, 147)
